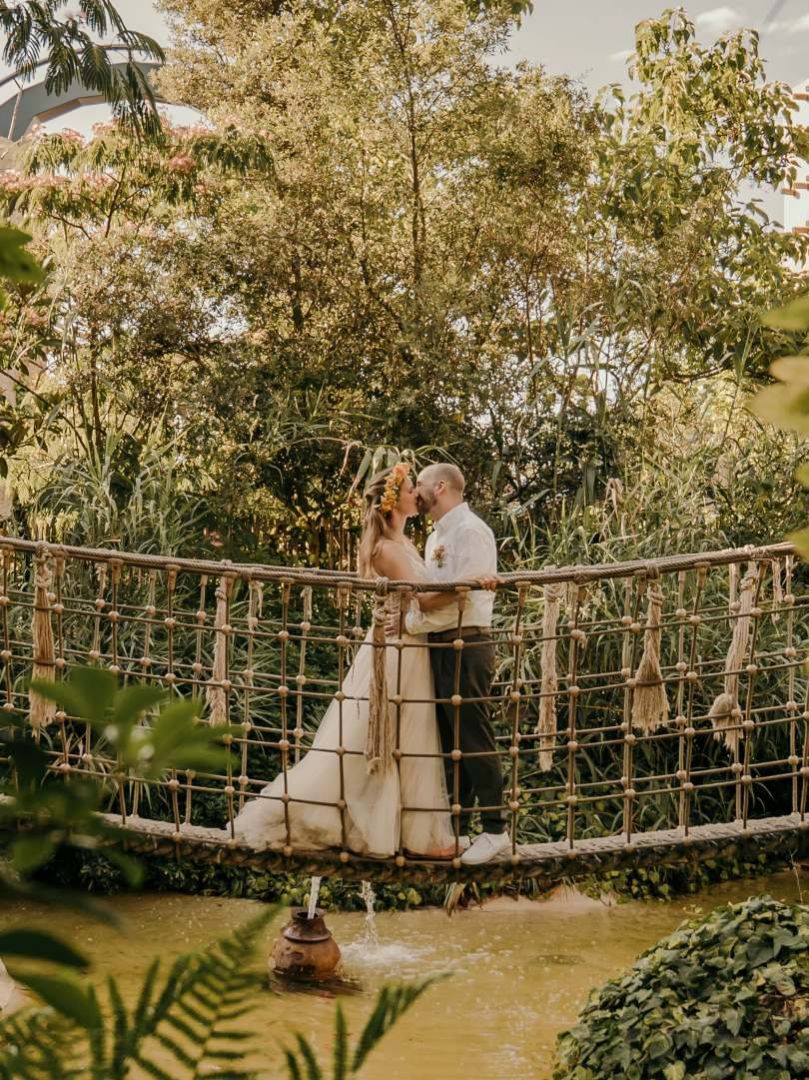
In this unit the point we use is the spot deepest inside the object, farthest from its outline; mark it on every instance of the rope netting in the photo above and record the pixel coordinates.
(629, 699)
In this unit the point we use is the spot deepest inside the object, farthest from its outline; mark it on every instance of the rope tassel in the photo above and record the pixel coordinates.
(724, 713)
(650, 706)
(215, 693)
(546, 725)
(41, 710)
(378, 747)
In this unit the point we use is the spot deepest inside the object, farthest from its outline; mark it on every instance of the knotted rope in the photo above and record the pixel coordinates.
(216, 693)
(650, 707)
(777, 590)
(725, 713)
(379, 741)
(733, 586)
(546, 724)
(41, 710)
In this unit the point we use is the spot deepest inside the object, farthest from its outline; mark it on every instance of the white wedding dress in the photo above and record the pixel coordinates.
(376, 822)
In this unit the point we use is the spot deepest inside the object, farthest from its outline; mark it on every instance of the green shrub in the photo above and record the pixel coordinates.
(723, 997)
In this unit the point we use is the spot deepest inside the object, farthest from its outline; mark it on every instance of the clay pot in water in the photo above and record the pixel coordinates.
(305, 949)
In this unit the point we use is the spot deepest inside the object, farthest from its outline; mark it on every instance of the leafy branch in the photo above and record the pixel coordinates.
(68, 46)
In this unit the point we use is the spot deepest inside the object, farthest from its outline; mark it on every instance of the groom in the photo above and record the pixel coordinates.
(463, 548)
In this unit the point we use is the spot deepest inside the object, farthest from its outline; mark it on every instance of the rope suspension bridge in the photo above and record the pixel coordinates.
(646, 713)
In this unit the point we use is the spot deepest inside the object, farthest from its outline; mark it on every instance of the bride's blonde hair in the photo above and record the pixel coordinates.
(375, 526)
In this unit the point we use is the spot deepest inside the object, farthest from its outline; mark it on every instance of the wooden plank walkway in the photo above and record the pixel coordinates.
(549, 863)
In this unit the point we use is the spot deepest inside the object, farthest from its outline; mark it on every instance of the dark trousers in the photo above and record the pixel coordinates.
(468, 728)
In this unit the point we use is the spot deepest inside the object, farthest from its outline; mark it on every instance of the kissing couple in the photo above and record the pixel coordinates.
(341, 795)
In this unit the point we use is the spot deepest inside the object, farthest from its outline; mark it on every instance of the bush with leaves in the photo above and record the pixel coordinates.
(723, 997)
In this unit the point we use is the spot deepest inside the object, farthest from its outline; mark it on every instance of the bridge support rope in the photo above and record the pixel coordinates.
(645, 712)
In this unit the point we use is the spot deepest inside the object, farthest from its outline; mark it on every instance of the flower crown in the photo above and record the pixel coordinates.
(393, 487)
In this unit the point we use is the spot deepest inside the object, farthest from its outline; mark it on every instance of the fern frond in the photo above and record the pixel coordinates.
(392, 1003)
(340, 1044)
(292, 1066)
(151, 1069)
(211, 990)
(182, 1026)
(310, 1061)
(179, 1052)
(146, 992)
(36, 1045)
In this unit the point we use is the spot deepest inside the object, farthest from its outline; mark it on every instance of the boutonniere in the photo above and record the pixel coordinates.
(438, 555)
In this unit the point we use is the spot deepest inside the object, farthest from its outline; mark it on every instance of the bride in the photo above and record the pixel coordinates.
(376, 815)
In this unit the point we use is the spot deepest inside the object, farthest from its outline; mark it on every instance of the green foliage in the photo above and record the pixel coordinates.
(503, 290)
(724, 997)
(786, 402)
(69, 45)
(133, 495)
(189, 1015)
(54, 814)
(666, 882)
(392, 1004)
(16, 264)
(173, 740)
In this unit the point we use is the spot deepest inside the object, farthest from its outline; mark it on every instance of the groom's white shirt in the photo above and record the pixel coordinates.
(460, 547)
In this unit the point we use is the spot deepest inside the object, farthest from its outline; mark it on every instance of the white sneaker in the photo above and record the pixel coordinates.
(485, 847)
(464, 844)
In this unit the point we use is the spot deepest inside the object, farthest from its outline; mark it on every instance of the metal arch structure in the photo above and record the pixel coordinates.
(28, 104)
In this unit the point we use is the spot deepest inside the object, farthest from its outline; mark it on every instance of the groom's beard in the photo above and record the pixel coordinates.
(422, 506)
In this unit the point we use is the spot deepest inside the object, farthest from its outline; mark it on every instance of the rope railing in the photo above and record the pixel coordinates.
(631, 701)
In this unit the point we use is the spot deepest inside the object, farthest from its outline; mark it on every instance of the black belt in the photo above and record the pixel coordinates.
(463, 632)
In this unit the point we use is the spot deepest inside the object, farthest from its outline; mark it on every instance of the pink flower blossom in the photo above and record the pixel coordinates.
(97, 181)
(105, 127)
(182, 163)
(11, 181)
(192, 131)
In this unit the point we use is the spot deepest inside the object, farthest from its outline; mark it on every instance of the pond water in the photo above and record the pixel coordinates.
(519, 971)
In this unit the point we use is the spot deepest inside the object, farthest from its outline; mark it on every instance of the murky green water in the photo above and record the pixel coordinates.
(519, 971)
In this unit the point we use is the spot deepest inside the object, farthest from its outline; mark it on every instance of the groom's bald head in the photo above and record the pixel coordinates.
(443, 473)
(439, 488)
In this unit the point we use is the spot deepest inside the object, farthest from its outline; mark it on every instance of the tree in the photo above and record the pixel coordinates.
(444, 254)
(72, 53)
(511, 271)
